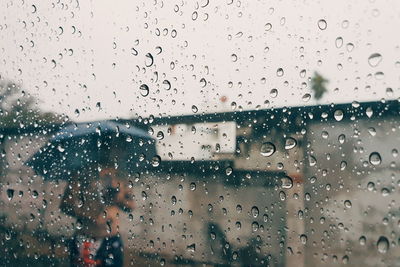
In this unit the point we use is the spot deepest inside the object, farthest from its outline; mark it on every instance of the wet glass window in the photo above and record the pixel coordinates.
(199, 133)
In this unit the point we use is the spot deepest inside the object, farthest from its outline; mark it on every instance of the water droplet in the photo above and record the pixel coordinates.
(173, 200)
(306, 97)
(160, 135)
(280, 72)
(369, 112)
(290, 143)
(10, 194)
(255, 212)
(389, 92)
(342, 138)
(303, 239)
(371, 186)
(338, 114)
(194, 109)
(375, 158)
(322, 25)
(167, 85)
(385, 192)
(192, 186)
(273, 93)
(339, 42)
(379, 75)
(268, 26)
(282, 196)
(35, 194)
(203, 82)
(312, 160)
(158, 50)
(228, 171)
(325, 134)
(362, 240)
(374, 59)
(267, 149)
(349, 47)
(255, 226)
(191, 248)
(149, 60)
(286, 182)
(60, 148)
(238, 225)
(134, 51)
(162, 262)
(383, 244)
(144, 90)
(343, 165)
(155, 161)
(347, 204)
(355, 104)
(372, 131)
(239, 208)
(234, 57)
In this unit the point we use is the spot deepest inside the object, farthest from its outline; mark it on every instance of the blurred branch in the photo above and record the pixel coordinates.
(19, 109)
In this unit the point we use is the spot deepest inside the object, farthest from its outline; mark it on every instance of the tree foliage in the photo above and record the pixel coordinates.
(318, 85)
(18, 109)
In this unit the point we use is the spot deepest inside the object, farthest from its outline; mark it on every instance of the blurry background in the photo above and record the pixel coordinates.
(277, 126)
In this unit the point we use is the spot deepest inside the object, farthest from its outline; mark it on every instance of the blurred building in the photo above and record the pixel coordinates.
(298, 185)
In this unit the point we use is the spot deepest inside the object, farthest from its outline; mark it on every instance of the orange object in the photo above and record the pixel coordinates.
(87, 260)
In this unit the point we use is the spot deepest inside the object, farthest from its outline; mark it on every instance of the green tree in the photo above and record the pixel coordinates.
(18, 109)
(318, 85)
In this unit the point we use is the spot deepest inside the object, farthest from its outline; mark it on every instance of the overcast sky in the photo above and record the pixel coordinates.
(74, 55)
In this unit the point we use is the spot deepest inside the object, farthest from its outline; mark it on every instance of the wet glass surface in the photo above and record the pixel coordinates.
(204, 133)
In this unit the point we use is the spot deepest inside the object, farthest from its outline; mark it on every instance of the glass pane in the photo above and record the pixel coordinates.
(204, 133)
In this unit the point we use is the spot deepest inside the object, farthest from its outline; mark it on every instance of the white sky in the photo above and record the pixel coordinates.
(105, 32)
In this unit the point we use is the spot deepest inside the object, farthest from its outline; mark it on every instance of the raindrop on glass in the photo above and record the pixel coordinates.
(192, 186)
(375, 158)
(322, 25)
(290, 143)
(338, 114)
(160, 135)
(306, 97)
(312, 161)
(155, 161)
(362, 240)
(370, 186)
(369, 112)
(342, 138)
(144, 90)
(339, 42)
(286, 182)
(273, 93)
(383, 244)
(10, 194)
(267, 149)
(280, 72)
(149, 60)
(167, 85)
(255, 212)
(374, 59)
